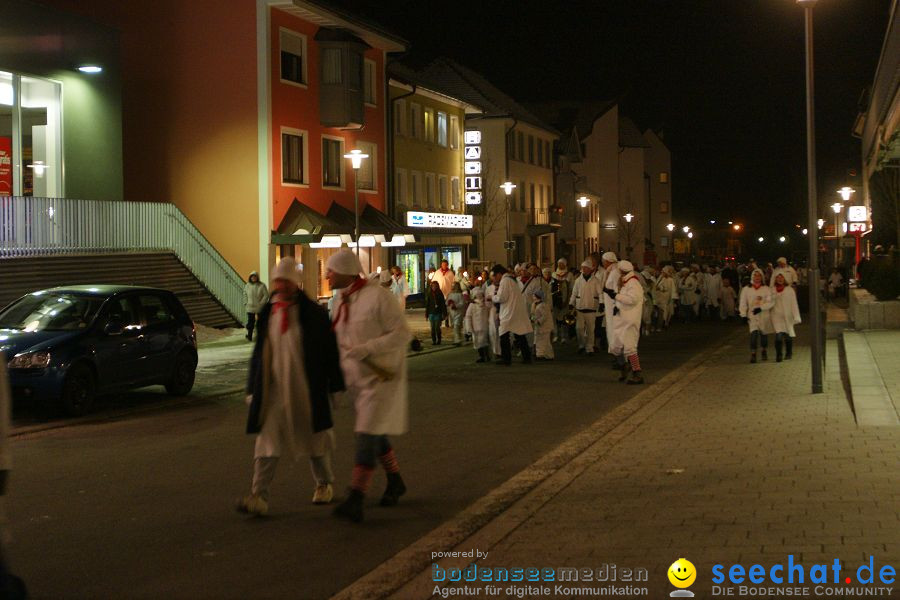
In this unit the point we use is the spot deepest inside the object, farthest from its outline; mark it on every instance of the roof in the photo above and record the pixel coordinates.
(327, 14)
(452, 79)
(568, 115)
(338, 220)
(630, 136)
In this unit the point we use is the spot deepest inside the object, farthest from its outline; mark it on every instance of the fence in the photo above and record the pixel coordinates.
(54, 226)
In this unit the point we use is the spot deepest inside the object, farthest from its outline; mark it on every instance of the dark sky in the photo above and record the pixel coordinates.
(724, 80)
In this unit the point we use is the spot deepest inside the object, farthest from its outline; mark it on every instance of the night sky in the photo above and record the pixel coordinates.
(723, 80)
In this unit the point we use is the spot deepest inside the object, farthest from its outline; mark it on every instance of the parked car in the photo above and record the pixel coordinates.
(69, 344)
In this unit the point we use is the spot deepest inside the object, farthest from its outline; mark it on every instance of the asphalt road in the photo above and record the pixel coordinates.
(142, 506)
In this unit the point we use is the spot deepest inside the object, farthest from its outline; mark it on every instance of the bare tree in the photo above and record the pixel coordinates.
(492, 213)
(628, 230)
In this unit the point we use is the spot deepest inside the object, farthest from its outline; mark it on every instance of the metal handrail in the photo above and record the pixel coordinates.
(53, 226)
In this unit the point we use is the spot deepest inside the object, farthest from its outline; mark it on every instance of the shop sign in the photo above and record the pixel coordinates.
(857, 214)
(440, 220)
(6, 166)
(472, 167)
(857, 228)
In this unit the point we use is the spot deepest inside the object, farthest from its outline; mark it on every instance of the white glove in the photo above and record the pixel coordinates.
(249, 399)
(357, 353)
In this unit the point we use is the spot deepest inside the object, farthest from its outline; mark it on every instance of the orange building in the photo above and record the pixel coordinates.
(241, 117)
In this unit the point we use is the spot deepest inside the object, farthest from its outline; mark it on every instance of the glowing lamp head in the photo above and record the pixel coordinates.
(736, 227)
(836, 207)
(691, 235)
(628, 217)
(356, 157)
(805, 231)
(583, 201)
(846, 192)
(90, 69)
(782, 239)
(760, 239)
(820, 223)
(508, 187)
(686, 228)
(671, 226)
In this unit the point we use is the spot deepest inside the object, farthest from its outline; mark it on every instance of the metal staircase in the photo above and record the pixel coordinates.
(45, 242)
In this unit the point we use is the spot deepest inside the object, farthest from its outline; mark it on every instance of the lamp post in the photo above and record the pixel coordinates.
(356, 157)
(836, 207)
(508, 187)
(815, 317)
(583, 201)
(628, 218)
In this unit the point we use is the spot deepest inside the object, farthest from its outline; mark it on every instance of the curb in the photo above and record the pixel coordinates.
(491, 518)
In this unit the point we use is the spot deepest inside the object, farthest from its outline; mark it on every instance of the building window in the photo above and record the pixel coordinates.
(331, 66)
(400, 122)
(369, 167)
(454, 193)
(369, 81)
(415, 120)
(443, 192)
(520, 144)
(429, 125)
(332, 162)
(511, 144)
(400, 191)
(548, 157)
(415, 189)
(293, 156)
(531, 149)
(30, 138)
(293, 57)
(522, 192)
(540, 153)
(664, 177)
(442, 129)
(454, 132)
(531, 196)
(429, 190)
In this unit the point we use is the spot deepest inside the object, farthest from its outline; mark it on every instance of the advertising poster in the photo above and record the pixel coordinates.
(6, 178)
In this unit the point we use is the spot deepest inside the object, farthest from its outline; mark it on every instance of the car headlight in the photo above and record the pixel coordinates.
(30, 360)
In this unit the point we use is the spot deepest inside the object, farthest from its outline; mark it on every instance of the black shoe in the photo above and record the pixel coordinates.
(788, 356)
(351, 508)
(777, 358)
(624, 374)
(249, 337)
(635, 378)
(765, 355)
(395, 489)
(753, 358)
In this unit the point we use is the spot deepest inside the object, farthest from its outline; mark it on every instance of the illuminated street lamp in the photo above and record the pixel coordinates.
(760, 239)
(583, 201)
(846, 192)
(508, 187)
(670, 227)
(356, 157)
(690, 235)
(804, 231)
(820, 223)
(782, 239)
(836, 207)
(628, 217)
(686, 228)
(712, 221)
(736, 227)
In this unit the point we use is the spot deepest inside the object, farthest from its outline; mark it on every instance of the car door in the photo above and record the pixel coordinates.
(160, 334)
(119, 353)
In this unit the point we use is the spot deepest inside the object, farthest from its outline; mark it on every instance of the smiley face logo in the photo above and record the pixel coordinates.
(682, 573)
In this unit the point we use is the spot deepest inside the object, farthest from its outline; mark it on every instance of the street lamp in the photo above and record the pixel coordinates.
(846, 192)
(686, 228)
(760, 239)
(670, 227)
(820, 223)
(628, 217)
(836, 207)
(356, 157)
(508, 187)
(583, 201)
(815, 317)
(782, 239)
(690, 235)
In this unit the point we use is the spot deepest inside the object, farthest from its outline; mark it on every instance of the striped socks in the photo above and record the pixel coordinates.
(361, 478)
(389, 462)
(635, 363)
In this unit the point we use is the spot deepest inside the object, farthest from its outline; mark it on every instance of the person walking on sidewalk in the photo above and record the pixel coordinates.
(626, 321)
(435, 311)
(514, 319)
(542, 316)
(294, 367)
(787, 271)
(785, 314)
(728, 298)
(256, 297)
(713, 292)
(490, 290)
(610, 283)
(560, 291)
(445, 278)
(664, 294)
(372, 336)
(399, 286)
(456, 307)
(756, 305)
(476, 324)
(585, 300)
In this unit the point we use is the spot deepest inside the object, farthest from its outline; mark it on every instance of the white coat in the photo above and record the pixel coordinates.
(626, 324)
(400, 289)
(690, 289)
(476, 322)
(586, 294)
(713, 289)
(445, 281)
(493, 319)
(514, 316)
(528, 289)
(610, 280)
(375, 326)
(785, 312)
(544, 324)
(256, 296)
(752, 298)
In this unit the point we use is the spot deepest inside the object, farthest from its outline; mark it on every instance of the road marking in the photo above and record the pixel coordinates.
(493, 517)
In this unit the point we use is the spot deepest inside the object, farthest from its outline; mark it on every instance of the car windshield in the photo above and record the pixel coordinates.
(51, 311)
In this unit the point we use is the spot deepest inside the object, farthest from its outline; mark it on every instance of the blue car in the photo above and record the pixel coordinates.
(69, 344)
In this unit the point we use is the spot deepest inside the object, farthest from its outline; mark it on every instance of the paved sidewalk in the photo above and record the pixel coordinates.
(741, 464)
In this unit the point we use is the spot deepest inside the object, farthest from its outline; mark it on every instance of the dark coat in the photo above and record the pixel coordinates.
(435, 304)
(320, 357)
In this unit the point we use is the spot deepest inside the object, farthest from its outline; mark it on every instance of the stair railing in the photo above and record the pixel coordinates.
(58, 226)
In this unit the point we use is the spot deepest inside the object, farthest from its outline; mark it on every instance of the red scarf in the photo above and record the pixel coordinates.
(344, 309)
(285, 309)
(626, 280)
(444, 271)
(779, 287)
(756, 286)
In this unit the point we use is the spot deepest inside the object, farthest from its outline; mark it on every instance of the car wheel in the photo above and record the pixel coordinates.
(182, 375)
(78, 391)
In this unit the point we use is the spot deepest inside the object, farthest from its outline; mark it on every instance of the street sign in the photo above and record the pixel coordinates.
(857, 214)
(509, 245)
